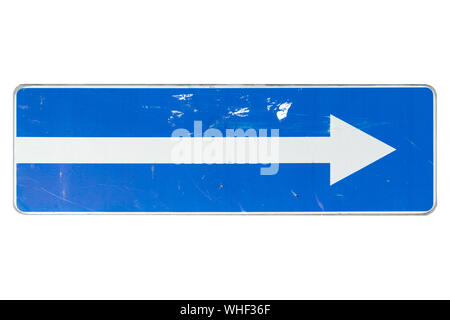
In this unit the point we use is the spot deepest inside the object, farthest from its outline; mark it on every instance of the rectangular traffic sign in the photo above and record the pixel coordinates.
(244, 149)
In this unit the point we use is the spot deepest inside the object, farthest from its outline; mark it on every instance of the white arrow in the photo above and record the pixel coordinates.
(347, 150)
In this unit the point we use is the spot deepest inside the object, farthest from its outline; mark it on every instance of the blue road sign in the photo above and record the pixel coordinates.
(225, 149)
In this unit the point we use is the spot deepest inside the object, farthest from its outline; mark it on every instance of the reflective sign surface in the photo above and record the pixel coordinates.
(224, 149)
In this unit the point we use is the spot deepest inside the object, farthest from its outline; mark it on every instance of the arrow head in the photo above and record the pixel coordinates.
(352, 149)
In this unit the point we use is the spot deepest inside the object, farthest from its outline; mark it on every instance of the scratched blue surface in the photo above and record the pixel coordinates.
(400, 117)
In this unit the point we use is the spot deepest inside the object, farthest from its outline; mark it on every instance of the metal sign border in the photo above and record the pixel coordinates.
(272, 213)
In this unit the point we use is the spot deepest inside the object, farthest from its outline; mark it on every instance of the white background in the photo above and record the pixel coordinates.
(311, 42)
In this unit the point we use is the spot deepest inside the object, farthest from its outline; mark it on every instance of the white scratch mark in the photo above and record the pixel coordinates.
(177, 113)
(182, 97)
(412, 143)
(295, 194)
(319, 203)
(270, 103)
(64, 199)
(242, 112)
(283, 110)
(147, 107)
(240, 207)
(205, 194)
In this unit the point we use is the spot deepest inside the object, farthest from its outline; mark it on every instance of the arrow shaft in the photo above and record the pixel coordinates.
(173, 150)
